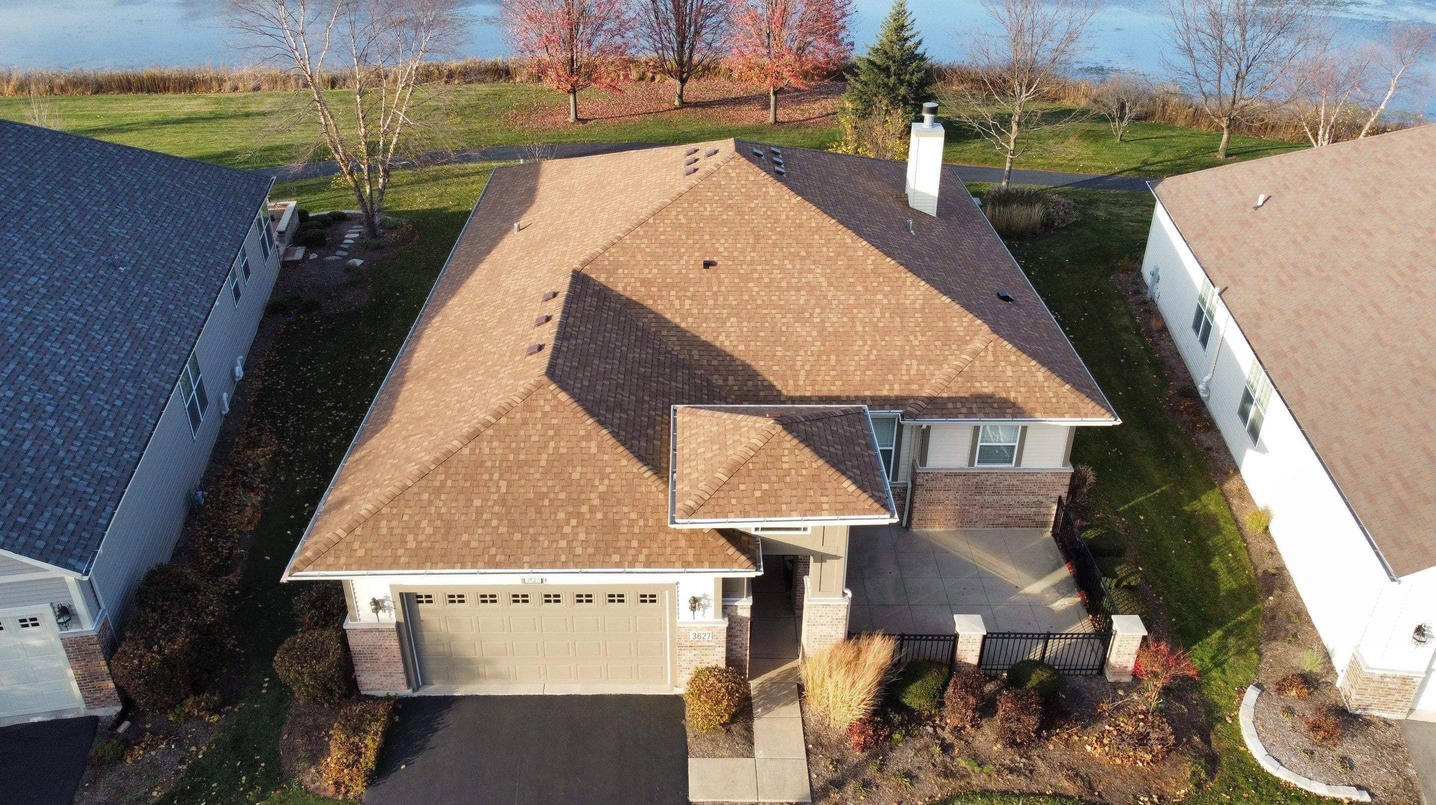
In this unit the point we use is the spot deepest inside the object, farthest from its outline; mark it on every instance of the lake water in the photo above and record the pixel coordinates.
(1124, 35)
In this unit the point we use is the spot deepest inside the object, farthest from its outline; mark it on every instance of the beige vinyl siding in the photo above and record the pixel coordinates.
(1045, 446)
(907, 453)
(35, 592)
(10, 566)
(949, 446)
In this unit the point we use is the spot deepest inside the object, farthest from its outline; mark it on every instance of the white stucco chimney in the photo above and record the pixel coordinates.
(924, 161)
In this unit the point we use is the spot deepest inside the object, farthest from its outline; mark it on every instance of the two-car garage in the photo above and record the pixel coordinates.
(542, 638)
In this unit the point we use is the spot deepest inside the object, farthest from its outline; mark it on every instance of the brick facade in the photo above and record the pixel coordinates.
(900, 499)
(1128, 632)
(740, 633)
(987, 498)
(971, 634)
(378, 658)
(699, 644)
(825, 622)
(1382, 693)
(89, 654)
(801, 566)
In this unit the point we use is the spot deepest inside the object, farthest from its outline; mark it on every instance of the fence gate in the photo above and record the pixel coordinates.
(1075, 653)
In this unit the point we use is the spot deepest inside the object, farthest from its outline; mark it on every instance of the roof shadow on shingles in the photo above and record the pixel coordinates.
(111, 259)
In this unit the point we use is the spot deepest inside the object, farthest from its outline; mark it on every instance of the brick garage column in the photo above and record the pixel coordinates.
(802, 566)
(378, 658)
(89, 654)
(739, 615)
(1127, 635)
(699, 644)
(987, 498)
(971, 632)
(1391, 694)
(825, 622)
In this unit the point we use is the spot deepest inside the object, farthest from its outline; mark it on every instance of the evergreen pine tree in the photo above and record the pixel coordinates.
(895, 72)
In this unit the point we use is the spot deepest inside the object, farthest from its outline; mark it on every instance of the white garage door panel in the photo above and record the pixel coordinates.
(34, 672)
(595, 637)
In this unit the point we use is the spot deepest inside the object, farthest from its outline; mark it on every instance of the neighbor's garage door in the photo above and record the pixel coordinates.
(595, 637)
(34, 672)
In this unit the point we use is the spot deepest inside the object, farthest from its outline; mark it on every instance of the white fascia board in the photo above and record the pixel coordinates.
(786, 521)
(1010, 420)
(511, 576)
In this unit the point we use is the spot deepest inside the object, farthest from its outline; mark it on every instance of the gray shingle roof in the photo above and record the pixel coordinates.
(110, 261)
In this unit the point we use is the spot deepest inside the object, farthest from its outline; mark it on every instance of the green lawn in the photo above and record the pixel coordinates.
(251, 130)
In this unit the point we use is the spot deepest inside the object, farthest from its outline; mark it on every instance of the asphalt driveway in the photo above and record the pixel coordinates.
(43, 762)
(535, 750)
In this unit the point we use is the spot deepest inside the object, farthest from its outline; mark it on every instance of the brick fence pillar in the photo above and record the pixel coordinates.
(700, 644)
(378, 658)
(802, 565)
(1391, 694)
(89, 655)
(824, 622)
(1127, 635)
(739, 615)
(971, 632)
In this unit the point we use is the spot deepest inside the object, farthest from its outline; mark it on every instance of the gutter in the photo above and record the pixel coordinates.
(587, 571)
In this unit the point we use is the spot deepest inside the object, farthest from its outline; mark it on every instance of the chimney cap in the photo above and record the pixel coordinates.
(929, 114)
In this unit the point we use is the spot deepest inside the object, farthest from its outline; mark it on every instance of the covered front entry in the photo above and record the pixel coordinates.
(35, 674)
(542, 639)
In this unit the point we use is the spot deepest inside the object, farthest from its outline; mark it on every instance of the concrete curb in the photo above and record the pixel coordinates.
(1274, 766)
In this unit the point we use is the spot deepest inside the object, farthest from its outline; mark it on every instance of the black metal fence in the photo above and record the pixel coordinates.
(1075, 653)
(1096, 592)
(931, 647)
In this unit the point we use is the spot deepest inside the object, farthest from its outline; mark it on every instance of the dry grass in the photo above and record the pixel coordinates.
(844, 681)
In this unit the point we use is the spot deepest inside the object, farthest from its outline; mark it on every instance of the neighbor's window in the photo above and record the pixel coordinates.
(196, 402)
(648, 598)
(885, 426)
(1206, 312)
(518, 598)
(456, 598)
(234, 283)
(583, 598)
(553, 598)
(617, 598)
(997, 445)
(266, 235)
(488, 598)
(1252, 410)
(244, 265)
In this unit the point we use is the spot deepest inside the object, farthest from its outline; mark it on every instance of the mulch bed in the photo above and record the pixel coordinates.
(715, 101)
(734, 740)
(305, 742)
(924, 762)
(157, 752)
(1372, 753)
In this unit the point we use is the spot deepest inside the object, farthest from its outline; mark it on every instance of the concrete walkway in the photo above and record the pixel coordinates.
(1421, 744)
(513, 153)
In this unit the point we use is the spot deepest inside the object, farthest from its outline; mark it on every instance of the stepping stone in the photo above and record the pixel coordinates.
(332, 257)
(348, 241)
(356, 262)
(342, 253)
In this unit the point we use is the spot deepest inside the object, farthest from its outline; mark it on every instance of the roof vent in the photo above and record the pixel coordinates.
(1261, 199)
(777, 160)
(711, 152)
(710, 264)
(690, 160)
(780, 171)
(517, 227)
(547, 295)
(1004, 296)
(690, 171)
(775, 152)
(909, 227)
(542, 320)
(690, 152)
(534, 349)
(758, 152)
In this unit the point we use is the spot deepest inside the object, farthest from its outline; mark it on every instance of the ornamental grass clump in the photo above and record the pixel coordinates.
(713, 696)
(843, 682)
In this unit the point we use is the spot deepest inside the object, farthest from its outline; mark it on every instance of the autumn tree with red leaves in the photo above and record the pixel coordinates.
(781, 44)
(572, 44)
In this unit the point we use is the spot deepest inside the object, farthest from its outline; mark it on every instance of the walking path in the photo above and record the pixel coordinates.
(513, 153)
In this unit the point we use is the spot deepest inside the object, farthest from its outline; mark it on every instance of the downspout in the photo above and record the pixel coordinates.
(1204, 388)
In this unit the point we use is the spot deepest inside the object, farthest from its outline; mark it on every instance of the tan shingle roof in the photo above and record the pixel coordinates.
(811, 298)
(1332, 283)
(776, 462)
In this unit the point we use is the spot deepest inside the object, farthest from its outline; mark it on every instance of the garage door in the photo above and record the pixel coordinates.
(598, 638)
(34, 673)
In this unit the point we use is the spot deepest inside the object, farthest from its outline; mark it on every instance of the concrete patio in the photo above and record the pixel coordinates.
(915, 581)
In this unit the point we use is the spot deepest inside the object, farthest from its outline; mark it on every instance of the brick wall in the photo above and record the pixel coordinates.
(740, 632)
(825, 622)
(987, 499)
(378, 658)
(89, 654)
(900, 498)
(1379, 693)
(700, 643)
(801, 566)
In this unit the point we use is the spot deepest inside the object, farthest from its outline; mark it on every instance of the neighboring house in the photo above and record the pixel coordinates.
(131, 285)
(1301, 292)
(643, 376)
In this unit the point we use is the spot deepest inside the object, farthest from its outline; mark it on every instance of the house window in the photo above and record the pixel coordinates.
(456, 598)
(234, 287)
(518, 598)
(266, 235)
(648, 598)
(885, 427)
(244, 265)
(583, 598)
(29, 623)
(488, 598)
(997, 445)
(1252, 410)
(1206, 312)
(617, 598)
(423, 598)
(196, 402)
(553, 598)
(791, 530)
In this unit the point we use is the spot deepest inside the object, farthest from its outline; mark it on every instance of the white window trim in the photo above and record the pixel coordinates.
(981, 442)
(890, 463)
(1204, 318)
(236, 288)
(197, 393)
(266, 235)
(1255, 398)
(244, 268)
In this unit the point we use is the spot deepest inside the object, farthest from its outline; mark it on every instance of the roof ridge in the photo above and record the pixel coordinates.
(730, 466)
(949, 373)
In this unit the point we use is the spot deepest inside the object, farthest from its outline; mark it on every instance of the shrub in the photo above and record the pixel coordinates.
(1019, 714)
(1058, 212)
(1135, 737)
(316, 666)
(867, 733)
(312, 239)
(713, 696)
(1035, 675)
(107, 752)
(302, 214)
(320, 605)
(1259, 520)
(962, 706)
(1119, 572)
(1084, 479)
(920, 684)
(1327, 727)
(336, 216)
(176, 642)
(1102, 542)
(354, 745)
(844, 681)
(1159, 664)
(1294, 686)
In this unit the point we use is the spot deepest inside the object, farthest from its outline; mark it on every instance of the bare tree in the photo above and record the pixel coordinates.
(1122, 99)
(1410, 48)
(1014, 66)
(41, 109)
(682, 37)
(371, 51)
(1233, 52)
(1325, 86)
